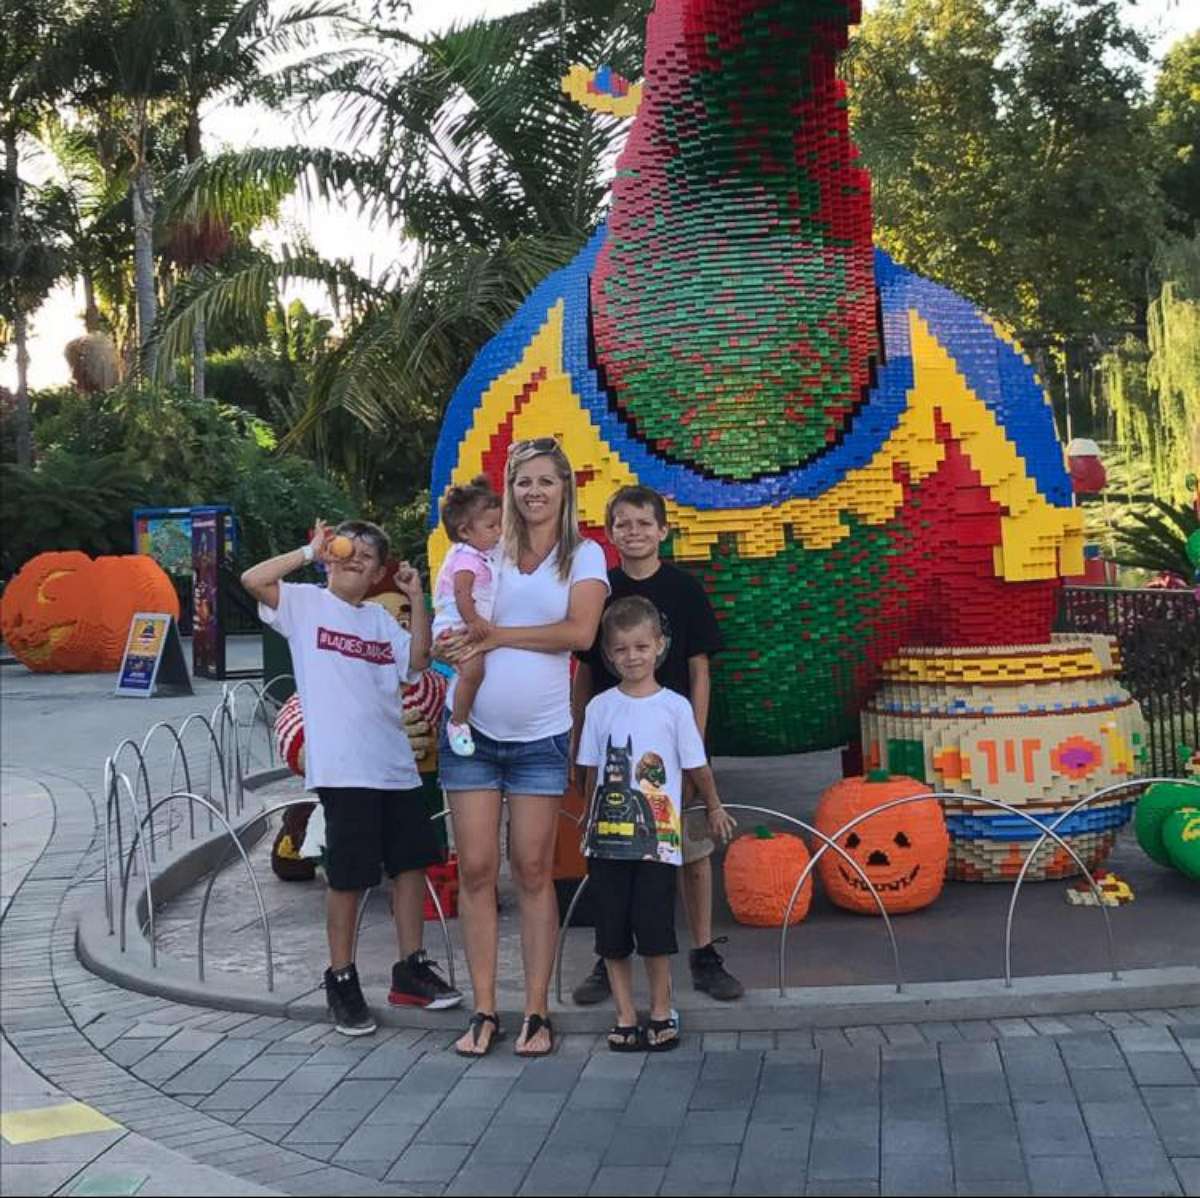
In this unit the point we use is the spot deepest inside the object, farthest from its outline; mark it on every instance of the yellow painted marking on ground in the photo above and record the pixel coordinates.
(53, 1122)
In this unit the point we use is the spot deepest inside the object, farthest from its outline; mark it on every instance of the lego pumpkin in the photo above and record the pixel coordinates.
(761, 869)
(903, 850)
(67, 613)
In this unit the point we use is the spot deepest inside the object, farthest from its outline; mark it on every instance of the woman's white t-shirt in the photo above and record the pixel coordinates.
(526, 695)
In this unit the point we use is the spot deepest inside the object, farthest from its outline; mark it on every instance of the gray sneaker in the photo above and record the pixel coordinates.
(594, 988)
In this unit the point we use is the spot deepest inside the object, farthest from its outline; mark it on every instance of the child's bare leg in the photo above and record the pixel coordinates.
(658, 972)
(470, 678)
(620, 978)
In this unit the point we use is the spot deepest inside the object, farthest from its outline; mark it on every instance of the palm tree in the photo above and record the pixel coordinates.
(119, 64)
(472, 150)
(29, 264)
(224, 48)
(91, 194)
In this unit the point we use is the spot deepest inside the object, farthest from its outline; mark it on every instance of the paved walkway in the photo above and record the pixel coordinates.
(137, 1093)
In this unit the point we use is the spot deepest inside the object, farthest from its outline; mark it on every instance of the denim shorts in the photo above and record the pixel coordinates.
(534, 767)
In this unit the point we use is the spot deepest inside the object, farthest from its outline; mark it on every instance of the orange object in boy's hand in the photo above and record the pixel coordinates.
(341, 546)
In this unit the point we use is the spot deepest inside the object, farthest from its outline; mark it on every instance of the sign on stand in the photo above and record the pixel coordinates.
(153, 663)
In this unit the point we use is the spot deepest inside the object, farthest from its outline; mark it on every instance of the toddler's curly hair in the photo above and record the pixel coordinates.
(462, 504)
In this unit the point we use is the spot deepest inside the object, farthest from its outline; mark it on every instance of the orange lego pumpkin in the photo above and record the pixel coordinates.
(67, 613)
(761, 869)
(903, 850)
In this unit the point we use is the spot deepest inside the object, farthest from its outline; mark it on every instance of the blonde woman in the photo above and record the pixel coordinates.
(551, 584)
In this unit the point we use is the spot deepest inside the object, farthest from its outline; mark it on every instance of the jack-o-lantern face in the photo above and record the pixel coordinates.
(903, 850)
(42, 607)
(65, 612)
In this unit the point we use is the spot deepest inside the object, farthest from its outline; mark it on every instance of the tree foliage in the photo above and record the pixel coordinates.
(1177, 129)
(1152, 386)
(1009, 147)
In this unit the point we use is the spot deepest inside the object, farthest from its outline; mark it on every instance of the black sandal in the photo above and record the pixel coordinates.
(475, 1027)
(626, 1039)
(532, 1025)
(658, 1026)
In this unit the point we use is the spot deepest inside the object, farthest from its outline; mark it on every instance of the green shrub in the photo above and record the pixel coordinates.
(101, 456)
(68, 502)
(408, 530)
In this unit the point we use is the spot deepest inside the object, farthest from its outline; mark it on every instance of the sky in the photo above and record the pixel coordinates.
(340, 232)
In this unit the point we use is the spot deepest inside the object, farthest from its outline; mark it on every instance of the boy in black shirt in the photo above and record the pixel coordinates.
(636, 523)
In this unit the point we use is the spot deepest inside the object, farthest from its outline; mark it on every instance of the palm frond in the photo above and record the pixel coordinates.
(399, 365)
(248, 185)
(240, 288)
(1157, 539)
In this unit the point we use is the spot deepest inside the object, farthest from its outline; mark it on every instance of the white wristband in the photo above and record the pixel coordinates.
(307, 550)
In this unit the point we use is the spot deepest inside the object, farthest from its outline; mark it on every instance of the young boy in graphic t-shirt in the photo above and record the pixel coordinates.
(638, 742)
(350, 659)
(636, 523)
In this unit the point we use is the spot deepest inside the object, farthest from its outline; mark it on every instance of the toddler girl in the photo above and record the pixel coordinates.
(465, 590)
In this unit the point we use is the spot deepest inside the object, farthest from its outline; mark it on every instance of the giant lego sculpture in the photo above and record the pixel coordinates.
(856, 459)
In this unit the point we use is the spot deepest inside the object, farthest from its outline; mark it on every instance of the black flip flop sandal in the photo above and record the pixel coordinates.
(658, 1026)
(626, 1039)
(534, 1024)
(475, 1027)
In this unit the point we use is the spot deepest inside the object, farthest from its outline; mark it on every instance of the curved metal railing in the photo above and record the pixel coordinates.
(232, 754)
(150, 881)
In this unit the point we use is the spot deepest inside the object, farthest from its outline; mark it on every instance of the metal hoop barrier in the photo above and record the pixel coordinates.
(262, 911)
(232, 699)
(214, 746)
(1116, 788)
(266, 813)
(260, 706)
(112, 780)
(212, 878)
(179, 753)
(143, 773)
(128, 868)
(224, 718)
(939, 795)
(788, 819)
(266, 687)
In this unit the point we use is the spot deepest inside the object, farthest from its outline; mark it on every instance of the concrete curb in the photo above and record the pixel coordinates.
(759, 1010)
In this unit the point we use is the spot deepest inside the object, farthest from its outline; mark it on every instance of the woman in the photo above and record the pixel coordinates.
(550, 590)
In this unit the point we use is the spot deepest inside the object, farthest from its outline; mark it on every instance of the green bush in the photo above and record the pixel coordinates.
(277, 498)
(101, 456)
(68, 502)
(408, 530)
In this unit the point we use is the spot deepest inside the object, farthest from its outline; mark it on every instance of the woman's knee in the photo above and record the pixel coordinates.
(533, 872)
(478, 871)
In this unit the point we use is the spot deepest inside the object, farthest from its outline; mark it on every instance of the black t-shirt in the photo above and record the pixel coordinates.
(687, 619)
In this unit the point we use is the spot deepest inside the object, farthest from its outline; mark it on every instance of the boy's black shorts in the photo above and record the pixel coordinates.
(634, 901)
(365, 829)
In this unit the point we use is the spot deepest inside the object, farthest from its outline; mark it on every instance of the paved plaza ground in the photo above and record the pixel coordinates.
(104, 1091)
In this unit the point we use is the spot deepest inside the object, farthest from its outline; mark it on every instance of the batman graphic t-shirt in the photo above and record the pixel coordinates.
(639, 748)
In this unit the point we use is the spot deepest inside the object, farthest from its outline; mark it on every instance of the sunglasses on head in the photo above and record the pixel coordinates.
(540, 444)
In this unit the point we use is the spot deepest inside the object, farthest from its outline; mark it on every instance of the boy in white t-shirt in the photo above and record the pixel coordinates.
(643, 739)
(465, 592)
(350, 659)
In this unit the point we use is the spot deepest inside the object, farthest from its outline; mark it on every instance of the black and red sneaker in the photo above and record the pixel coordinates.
(416, 983)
